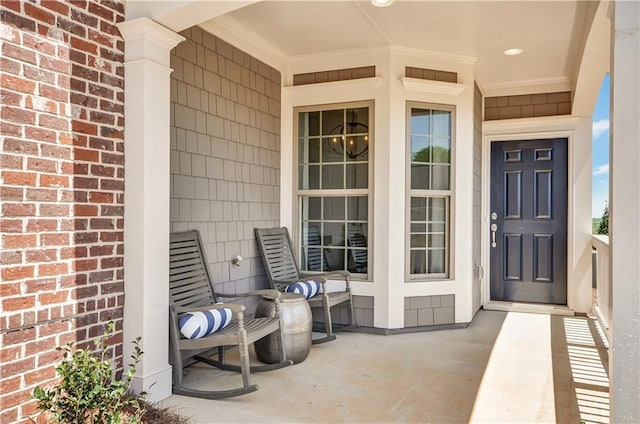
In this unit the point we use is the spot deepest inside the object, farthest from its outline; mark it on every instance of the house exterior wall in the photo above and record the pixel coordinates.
(363, 307)
(460, 282)
(63, 179)
(334, 75)
(62, 183)
(225, 154)
(389, 285)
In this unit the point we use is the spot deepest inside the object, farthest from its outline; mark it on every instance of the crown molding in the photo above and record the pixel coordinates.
(362, 84)
(148, 30)
(147, 39)
(433, 55)
(533, 86)
(385, 50)
(337, 54)
(430, 86)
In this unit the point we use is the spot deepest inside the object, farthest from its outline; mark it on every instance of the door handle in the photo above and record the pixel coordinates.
(494, 228)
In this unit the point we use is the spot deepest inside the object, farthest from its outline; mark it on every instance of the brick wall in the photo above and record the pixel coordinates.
(225, 154)
(61, 186)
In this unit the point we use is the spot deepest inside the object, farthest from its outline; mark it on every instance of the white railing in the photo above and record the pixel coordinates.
(602, 306)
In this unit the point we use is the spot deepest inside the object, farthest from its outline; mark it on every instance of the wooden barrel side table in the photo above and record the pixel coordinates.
(296, 328)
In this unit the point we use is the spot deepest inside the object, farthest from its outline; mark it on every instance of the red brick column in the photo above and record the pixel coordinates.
(61, 186)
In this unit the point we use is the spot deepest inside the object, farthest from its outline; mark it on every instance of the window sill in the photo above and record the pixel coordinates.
(428, 280)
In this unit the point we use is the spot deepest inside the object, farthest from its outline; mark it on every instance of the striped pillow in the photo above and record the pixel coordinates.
(194, 325)
(306, 288)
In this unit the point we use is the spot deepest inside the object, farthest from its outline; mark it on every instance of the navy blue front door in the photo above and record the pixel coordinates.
(528, 221)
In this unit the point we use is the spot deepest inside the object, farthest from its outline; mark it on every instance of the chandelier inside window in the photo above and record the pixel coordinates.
(345, 135)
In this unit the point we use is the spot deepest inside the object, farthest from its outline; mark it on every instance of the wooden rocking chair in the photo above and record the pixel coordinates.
(191, 290)
(282, 270)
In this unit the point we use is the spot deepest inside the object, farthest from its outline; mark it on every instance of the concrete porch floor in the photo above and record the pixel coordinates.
(503, 368)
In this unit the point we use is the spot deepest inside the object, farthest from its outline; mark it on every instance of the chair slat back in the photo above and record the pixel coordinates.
(189, 278)
(316, 261)
(358, 240)
(277, 254)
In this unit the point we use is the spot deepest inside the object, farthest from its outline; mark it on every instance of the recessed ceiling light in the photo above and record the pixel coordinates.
(513, 52)
(382, 3)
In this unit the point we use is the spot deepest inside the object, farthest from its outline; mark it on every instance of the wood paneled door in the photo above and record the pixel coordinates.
(528, 221)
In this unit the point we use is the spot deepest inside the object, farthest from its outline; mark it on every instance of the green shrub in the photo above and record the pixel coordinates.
(88, 391)
(603, 226)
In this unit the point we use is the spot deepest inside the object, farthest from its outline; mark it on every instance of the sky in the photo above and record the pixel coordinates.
(601, 151)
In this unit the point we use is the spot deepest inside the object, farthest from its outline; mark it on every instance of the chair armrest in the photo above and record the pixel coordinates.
(306, 274)
(344, 274)
(265, 292)
(319, 277)
(327, 275)
(235, 308)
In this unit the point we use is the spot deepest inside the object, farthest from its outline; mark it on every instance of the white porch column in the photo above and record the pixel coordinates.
(146, 201)
(624, 223)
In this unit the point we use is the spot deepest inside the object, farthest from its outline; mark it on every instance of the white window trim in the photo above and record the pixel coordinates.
(449, 194)
(299, 193)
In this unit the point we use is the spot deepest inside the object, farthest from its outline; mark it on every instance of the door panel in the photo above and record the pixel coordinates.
(513, 194)
(513, 257)
(529, 203)
(543, 257)
(543, 194)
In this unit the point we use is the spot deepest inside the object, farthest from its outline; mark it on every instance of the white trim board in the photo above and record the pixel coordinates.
(543, 85)
(429, 86)
(529, 127)
(525, 129)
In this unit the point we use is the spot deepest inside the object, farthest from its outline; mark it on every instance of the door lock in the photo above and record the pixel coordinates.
(494, 228)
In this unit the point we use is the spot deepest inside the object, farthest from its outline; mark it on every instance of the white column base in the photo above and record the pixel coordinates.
(156, 385)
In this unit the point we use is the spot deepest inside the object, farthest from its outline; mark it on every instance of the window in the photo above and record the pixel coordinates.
(430, 141)
(333, 187)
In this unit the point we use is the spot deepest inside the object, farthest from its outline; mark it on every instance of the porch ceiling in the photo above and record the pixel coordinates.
(551, 33)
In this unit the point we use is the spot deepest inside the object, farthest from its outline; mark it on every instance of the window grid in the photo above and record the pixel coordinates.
(429, 235)
(333, 188)
(340, 146)
(429, 179)
(328, 244)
